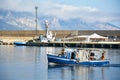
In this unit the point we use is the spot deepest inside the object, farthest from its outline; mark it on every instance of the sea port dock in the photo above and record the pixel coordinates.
(8, 38)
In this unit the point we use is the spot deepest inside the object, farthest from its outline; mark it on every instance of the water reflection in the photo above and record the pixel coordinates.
(68, 73)
(30, 63)
(102, 73)
(40, 63)
(76, 73)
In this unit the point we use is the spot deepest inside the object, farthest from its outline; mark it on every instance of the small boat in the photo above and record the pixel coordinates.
(20, 43)
(81, 57)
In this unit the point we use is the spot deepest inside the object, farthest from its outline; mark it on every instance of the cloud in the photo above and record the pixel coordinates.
(66, 11)
(17, 5)
(61, 11)
(44, 7)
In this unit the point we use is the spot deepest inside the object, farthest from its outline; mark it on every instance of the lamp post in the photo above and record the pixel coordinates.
(46, 26)
(36, 20)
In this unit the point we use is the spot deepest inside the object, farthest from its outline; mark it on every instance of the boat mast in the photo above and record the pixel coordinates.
(36, 20)
(46, 26)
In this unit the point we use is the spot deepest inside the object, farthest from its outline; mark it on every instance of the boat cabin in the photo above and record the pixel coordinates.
(85, 54)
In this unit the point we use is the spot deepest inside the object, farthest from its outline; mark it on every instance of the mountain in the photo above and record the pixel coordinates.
(82, 25)
(11, 20)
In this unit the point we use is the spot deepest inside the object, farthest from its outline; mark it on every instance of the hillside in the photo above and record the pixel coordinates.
(11, 20)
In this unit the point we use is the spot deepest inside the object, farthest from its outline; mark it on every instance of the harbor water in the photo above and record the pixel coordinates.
(30, 63)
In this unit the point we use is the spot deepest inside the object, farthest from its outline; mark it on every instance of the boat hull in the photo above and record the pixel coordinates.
(63, 60)
(95, 62)
(60, 60)
(18, 43)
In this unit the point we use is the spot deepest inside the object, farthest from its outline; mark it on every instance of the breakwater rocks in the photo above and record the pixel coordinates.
(4, 43)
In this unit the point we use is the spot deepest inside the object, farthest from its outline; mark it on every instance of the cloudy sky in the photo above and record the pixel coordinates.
(88, 10)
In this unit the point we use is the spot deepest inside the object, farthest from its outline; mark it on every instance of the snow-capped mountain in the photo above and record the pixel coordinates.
(11, 20)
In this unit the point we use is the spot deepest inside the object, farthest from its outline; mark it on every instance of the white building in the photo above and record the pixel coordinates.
(87, 38)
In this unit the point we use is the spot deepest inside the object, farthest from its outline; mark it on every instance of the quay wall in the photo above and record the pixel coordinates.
(24, 35)
(59, 33)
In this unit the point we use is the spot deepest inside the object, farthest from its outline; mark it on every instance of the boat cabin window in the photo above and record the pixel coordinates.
(62, 53)
(73, 55)
(70, 54)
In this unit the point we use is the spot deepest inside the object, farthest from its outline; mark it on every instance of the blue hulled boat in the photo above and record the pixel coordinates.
(82, 58)
(20, 43)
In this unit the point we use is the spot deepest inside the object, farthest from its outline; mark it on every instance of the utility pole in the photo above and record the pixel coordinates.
(36, 20)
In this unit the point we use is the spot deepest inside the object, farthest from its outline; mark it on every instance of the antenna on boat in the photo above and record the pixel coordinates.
(46, 26)
(36, 20)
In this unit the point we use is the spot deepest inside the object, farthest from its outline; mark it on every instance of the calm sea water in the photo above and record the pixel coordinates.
(30, 63)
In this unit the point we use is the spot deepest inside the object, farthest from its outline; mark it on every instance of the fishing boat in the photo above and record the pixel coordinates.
(19, 43)
(79, 57)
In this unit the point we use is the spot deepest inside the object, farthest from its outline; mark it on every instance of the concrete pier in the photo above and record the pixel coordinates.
(112, 45)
